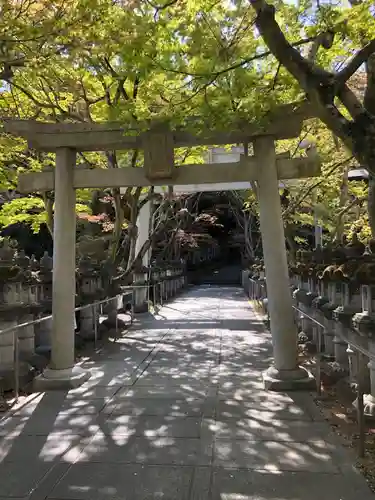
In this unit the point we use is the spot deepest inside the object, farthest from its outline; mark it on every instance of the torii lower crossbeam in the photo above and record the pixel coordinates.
(243, 171)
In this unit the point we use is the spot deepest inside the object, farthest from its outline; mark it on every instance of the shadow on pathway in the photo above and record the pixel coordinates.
(176, 411)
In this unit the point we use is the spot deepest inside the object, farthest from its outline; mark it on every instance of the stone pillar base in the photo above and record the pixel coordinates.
(288, 380)
(60, 380)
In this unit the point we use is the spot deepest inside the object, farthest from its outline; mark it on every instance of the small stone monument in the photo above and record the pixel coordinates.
(88, 292)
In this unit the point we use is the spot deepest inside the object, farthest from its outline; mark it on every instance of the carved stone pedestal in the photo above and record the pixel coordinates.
(140, 292)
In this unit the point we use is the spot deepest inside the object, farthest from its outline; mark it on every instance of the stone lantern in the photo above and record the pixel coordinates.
(334, 300)
(140, 280)
(179, 272)
(318, 302)
(30, 305)
(155, 279)
(173, 287)
(183, 273)
(88, 292)
(169, 282)
(11, 307)
(245, 280)
(108, 288)
(301, 293)
(343, 316)
(163, 275)
(350, 305)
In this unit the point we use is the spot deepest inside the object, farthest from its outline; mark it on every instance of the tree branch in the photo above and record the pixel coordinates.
(292, 207)
(136, 87)
(318, 84)
(162, 7)
(303, 70)
(239, 64)
(343, 211)
(120, 91)
(354, 64)
(369, 97)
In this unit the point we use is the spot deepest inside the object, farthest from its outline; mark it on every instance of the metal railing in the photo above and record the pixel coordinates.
(361, 353)
(15, 331)
(257, 293)
(159, 297)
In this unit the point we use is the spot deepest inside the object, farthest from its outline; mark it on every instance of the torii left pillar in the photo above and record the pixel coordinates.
(62, 372)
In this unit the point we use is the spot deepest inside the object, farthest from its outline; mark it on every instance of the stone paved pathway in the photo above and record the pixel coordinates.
(176, 411)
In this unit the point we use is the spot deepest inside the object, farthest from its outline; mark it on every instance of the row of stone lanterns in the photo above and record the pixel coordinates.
(26, 296)
(90, 289)
(203, 254)
(20, 291)
(336, 288)
(163, 280)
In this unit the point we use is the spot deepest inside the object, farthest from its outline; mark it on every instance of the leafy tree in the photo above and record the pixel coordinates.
(107, 77)
(197, 63)
(340, 33)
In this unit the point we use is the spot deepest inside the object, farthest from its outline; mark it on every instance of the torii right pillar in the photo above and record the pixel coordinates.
(285, 374)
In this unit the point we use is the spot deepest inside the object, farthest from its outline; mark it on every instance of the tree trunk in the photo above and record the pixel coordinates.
(48, 203)
(249, 250)
(133, 229)
(119, 222)
(340, 227)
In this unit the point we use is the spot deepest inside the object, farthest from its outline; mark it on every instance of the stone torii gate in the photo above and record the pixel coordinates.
(158, 144)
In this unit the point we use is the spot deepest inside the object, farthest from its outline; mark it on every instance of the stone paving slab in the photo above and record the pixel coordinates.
(105, 392)
(158, 450)
(311, 456)
(197, 380)
(63, 406)
(151, 426)
(257, 485)
(129, 482)
(188, 406)
(193, 389)
(14, 498)
(261, 412)
(17, 480)
(275, 430)
(176, 410)
(261, 397)
(48, 423)
(40, 448)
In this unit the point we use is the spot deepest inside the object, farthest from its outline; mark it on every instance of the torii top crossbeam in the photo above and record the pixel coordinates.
(158, 144)
(282, 123)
